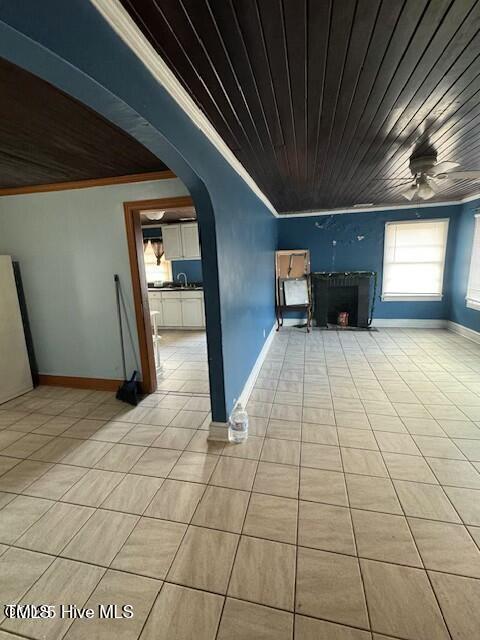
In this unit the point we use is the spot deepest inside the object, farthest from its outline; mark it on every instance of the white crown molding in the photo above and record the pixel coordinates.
(121, 22)
(389, 207)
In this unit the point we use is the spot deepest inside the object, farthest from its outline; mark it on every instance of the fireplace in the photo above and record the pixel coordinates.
(337, 292)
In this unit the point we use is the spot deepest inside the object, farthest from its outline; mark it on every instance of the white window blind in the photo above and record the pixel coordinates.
(414, 260)
(473, 288)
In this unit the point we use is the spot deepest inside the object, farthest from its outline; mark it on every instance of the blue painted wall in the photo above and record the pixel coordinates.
(355, 241)
(237, 230)
(460, 267)
(192, 269)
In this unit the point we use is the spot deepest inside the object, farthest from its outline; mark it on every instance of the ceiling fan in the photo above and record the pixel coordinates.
(430, 177)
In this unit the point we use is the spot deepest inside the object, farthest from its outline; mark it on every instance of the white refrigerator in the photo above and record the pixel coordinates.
(15, 376)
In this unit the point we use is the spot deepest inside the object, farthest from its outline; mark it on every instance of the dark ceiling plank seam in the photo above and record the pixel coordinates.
(454, 133)
(384, 151)
(340, 159)
(339, 138)
(289, 85)
(253, 78)
(278, 153)
(318, 176)
(305, 84)
(162, 52)
(320, 109)
(358, 160)
(265, 52)
(360, 138)
(215, 73)
(272, 85)
(237, 82)
(260, 160)
(233, 72)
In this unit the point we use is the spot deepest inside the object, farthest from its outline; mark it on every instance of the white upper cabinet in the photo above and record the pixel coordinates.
(172, 242)
(180, 241)
(190, 243)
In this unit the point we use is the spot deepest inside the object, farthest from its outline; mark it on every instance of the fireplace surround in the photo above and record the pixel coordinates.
(346, 291)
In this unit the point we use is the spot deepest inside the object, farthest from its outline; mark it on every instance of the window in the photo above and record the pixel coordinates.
(156, 267)
(414, 260)
(473, 288)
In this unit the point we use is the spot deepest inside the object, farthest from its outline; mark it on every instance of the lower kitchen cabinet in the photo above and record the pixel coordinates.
(178, 309)
(172, 313)
(192, 313)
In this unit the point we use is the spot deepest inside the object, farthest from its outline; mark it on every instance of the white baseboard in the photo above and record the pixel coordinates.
(409, 323)
(249, 384)
(392, 323)
(465, 332)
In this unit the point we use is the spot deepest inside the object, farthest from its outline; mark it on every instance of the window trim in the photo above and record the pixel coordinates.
(471, 303)
(413, 297)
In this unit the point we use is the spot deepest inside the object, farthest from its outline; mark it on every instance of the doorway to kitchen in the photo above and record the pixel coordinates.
(165, 261)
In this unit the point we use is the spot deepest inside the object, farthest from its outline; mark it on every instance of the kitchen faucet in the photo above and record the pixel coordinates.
(184, 275)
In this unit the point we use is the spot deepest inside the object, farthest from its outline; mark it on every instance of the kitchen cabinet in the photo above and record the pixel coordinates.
(172, 242)
(180, 241)
(190, 243)
(192, 313)
(172, 313)
(180, 308)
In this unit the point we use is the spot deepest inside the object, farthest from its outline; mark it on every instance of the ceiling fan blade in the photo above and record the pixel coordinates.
(442, 167)
(463, 175)
(438, 184)
(409, 192)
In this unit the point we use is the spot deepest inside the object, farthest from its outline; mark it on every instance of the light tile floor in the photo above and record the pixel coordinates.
(352, 512)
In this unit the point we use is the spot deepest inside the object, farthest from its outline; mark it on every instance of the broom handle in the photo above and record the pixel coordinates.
(117, 290)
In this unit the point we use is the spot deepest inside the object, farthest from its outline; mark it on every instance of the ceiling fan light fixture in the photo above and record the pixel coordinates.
(424, 190)
(410, 191)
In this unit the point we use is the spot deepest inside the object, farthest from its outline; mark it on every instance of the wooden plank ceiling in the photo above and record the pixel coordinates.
(47, 137)
(324, 101)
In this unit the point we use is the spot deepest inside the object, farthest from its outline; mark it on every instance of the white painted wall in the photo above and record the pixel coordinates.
(69, 244)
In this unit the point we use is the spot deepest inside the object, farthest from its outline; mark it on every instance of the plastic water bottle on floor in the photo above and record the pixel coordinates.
(238, 425)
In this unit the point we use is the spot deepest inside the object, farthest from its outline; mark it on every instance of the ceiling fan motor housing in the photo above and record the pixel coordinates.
(422, 164)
